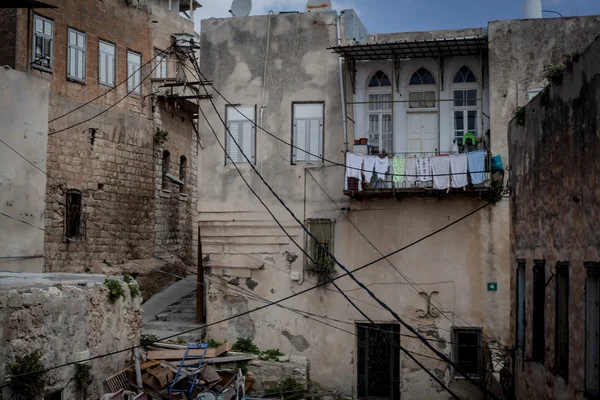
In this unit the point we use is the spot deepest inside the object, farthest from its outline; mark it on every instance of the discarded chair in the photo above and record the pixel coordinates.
(190, 378)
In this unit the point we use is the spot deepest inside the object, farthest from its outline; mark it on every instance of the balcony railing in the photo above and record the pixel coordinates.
(416, 174)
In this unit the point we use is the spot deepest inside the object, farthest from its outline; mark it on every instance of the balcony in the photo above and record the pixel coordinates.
(452, 176)
(173, 83)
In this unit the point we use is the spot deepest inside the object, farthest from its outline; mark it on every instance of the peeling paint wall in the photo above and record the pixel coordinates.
(62, 315)
(555, 214)
(24, 119)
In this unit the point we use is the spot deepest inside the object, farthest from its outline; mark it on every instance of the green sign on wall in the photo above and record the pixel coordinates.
(492, 287)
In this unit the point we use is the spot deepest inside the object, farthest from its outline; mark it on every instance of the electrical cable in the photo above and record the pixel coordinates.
(114, 87)
(315, 155)
(332, 257)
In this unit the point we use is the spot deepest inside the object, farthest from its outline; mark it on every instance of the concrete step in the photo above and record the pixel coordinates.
(191, 337)
(171, 326)
(175, 317)
(178, 309)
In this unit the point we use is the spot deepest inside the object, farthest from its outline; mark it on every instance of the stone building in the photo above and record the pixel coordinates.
(122, 147)
(66, 318)
(554, 235)
(24, 118)
(409, 95)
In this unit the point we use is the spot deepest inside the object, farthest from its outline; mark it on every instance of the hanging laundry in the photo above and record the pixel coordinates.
(353, 168)
(440, 167)
(477, 166)
(369, 162)
(398, 164)
(458, 167)
(382, 165)
(424, 169)
(410, 167)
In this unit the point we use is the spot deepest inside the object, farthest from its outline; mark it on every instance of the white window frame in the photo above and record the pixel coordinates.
(134, 73)
(308, 116)
(532, 93)
(455, 345)
(45, 37)
(381, 113)
(239, 119)
(110, 63)
(162, 64)
(465, 109)
(74, 49)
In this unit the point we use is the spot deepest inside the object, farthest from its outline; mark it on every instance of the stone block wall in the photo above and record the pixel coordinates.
(37, 312)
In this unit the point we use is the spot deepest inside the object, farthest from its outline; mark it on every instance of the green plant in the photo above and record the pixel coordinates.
(519, 116)
(161, 135)
(33, 383)
(287, 389)
(212, 344)
(147, 340)
(115, 290)
(242, 365)
(271, 355)
(244, 345)
(83, 376)
(134, 289)
(127, 278)
(323, 268)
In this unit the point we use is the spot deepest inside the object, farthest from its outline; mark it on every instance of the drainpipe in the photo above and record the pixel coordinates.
(262, 104)
(342, 88)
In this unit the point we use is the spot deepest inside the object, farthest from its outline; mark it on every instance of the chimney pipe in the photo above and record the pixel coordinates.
(532, 9)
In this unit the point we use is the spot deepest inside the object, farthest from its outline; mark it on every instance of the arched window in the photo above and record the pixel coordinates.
(166, 161)
(466, 109)
(379, 114)
(422, 77)
(419, 97)
(379, 79)
(465, 75)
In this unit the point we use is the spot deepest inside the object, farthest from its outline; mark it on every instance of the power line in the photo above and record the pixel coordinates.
(114, 87)
(305, 151)
(332, 257)
(111, 106)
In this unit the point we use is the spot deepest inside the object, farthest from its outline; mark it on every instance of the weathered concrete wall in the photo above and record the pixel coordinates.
(62, 315)
(425, 35)
(24, 120)
(268, 374)
(555, 211)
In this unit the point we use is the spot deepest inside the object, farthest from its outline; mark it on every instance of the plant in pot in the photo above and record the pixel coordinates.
(323, 268)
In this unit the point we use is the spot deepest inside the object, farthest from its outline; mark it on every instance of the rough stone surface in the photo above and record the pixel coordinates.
(268, 374)
(62, 320)
(555, 214)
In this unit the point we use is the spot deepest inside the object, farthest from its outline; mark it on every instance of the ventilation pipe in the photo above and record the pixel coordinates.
(532, 9)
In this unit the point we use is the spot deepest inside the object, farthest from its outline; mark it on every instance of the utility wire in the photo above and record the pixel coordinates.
(111, 106)
(481, 387)
(114, 87)
(305, 151)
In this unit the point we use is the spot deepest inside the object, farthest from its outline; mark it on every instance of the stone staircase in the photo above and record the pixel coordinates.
(177, 317)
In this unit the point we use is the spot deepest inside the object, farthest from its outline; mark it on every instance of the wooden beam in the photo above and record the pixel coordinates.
(194, 353)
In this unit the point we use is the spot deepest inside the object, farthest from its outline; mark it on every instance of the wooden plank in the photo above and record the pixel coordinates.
(194, 353)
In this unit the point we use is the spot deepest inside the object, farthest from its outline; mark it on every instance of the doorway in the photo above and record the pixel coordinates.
(378, 361)
(422, 132)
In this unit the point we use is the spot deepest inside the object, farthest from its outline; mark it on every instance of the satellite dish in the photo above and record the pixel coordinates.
(318, 5)
(241, 8)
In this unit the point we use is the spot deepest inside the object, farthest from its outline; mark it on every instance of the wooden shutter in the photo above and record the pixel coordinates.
(232, 149)
(133, 72)
(300, 138)
(247, 142)
(42, 42)
(314, 139)
(308, 132)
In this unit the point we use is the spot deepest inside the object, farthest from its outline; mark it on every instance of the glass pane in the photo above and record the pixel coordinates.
(385, 81)
(386, 142)
(80, 40)
(374, 123)
(428, 78)
(386, 123)
(416, 79)
(414, 99)
(459, 120)
(472, 121)
(387, 98)
(459, 95)
(429, 100)
(72, 38)
(467, 352)
(471, 96)
(470, 77)
(374, 82)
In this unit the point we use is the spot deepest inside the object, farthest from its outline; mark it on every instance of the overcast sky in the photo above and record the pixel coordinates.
(384, 16)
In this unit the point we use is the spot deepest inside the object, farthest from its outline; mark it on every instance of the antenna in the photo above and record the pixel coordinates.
(318, 5)
(241, 8)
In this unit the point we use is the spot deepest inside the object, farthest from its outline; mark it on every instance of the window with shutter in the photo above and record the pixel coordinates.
(42, 43)
(160, 58)
(134, 72)
(106, 63)
(76, 55)
(323, 230)
(240, 129)
(308, 132)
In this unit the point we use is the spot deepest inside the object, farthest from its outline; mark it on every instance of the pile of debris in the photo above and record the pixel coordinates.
(191, 372)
